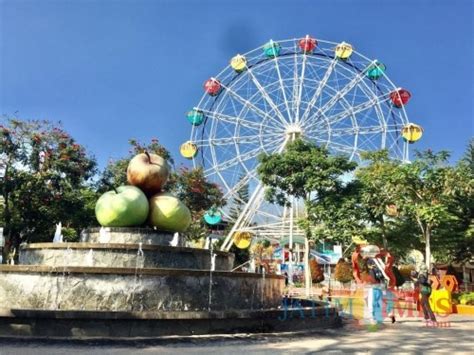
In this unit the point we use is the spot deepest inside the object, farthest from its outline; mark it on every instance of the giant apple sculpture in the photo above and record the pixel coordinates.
(148, 172)
(168, 213)
(126, 206)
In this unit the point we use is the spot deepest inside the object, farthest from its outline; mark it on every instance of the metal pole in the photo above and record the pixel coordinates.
(307, 271)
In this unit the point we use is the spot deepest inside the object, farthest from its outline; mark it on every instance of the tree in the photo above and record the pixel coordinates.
(307, 171)
(239, 202)
(45, 180)
(338, 216)
(425, 189)
(304, 170)
(376, 190)
(468, 158)
(455, 240)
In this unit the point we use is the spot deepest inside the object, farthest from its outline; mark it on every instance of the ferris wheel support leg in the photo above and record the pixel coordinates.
(250, 207)
(252, 204)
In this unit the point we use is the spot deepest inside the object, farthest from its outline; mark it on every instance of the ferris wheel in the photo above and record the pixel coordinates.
(320, 91)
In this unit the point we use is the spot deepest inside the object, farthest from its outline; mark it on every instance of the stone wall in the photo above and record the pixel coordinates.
(122, 255)
(128, 235)
(113, 289)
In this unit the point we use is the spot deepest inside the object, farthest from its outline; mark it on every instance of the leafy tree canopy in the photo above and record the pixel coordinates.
(45, 176)
(309, 172)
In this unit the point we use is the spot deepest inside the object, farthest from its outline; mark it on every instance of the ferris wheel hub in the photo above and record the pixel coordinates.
(293, 130)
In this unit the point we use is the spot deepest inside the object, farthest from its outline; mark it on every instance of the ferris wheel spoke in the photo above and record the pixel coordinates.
(352, 110)
(232, 119)
(300, 87)
(246, 214)
(282, 87)
(319, 89)
(235, 140)
(242, 182)
(379, 112)
(266, 214)
(238, 159)
(266, 97)
(249, 105)
(331, 144)
(378, 101)
(349, 131)
(294, 92)
(341, 93)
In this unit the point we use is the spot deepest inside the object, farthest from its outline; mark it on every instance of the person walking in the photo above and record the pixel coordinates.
(423, 283)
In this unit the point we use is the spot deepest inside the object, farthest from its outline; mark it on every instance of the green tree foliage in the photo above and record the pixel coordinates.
(376, 191)
(301, 170)
(337, 216)
(425, 189)
(45, 175)
(239, 202)
(455, 240)
(468, 158)
(307, 171)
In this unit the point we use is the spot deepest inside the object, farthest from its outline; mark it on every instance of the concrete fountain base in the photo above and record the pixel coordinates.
(114, 325)
(122, 289)
(130, 282)
(119, 255)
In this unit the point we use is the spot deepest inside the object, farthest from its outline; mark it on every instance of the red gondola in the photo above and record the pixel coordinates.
(212, 86)
(308, 44)
(400, 97)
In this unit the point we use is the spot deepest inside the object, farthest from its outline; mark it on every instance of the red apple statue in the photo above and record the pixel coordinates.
(148, 172)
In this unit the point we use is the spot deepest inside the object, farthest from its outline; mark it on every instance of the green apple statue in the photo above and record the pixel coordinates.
(126, 206)
(168, 213)
(148, 172)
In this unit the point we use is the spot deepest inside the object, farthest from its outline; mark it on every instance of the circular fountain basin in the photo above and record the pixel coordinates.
(122, 255)
(130, 289)
(126, 235)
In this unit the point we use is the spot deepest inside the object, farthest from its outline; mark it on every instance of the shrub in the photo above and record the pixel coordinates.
(343, 272)
(317, 272)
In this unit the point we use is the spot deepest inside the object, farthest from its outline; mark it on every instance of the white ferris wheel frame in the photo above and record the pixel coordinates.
(276, 116)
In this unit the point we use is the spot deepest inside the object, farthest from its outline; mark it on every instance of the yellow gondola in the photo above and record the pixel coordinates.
(343, 50)
(188, 150)
(412, 132)
(238, 63)
(242, 240)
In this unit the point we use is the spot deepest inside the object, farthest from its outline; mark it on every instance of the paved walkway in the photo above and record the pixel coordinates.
(405, 336)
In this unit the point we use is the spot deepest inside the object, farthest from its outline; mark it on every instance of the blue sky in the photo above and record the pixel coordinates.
(111, 70)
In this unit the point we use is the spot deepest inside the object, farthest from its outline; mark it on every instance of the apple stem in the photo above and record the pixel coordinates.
(148, 156)
(109, 185)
